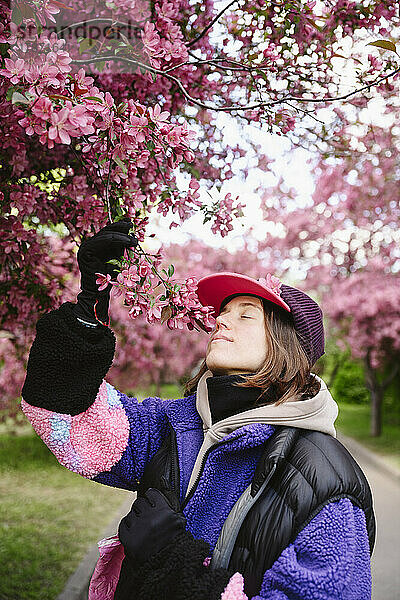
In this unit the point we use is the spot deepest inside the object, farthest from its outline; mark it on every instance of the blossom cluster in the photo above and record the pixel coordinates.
(178, 305)
(224, 214)
(272, 283)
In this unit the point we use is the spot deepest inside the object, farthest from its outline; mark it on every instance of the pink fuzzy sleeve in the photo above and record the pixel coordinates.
(88, 443)
(235, 588)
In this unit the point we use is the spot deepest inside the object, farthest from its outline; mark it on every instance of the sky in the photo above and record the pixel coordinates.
(292, 164)
(294, 169)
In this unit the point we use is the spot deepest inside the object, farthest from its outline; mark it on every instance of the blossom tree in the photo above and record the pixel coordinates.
(97, 128)
(346, 240)
(94, 129)
(364, 310)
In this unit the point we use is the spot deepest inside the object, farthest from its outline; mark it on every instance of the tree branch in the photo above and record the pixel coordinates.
(235, 108)
(202, 33)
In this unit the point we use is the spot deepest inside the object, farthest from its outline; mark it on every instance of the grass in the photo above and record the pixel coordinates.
(168, 390)
(354, 421)
(48, 519)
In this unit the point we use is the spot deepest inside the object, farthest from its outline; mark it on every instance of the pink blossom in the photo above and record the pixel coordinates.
(137, 128)
(103, 281)
(80, 118)
(61, 60)
(272, 283)
(143, 160)
(46, 11)
(60, 129)
(151, 39)
(128, 277)
(43, 108)
(82, 81)
(15, 70)
(156, 115)
(135, 311)
(144, 269)
(155, 309)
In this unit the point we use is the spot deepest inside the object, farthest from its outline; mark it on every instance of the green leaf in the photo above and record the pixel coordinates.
(171, 270)
(10, 92)
(385, 44)
(114, 261)
(39, 26)
(100, 65)
(125, 39)
(26, 11)
(94, 99)
(86, 44)
(17, 16)
(120, 163)
(18, 98)
(166, 313)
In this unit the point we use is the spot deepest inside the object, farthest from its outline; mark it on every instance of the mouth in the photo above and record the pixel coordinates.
(221, 339)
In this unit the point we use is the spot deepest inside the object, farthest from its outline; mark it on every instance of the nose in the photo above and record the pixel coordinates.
(222, 321)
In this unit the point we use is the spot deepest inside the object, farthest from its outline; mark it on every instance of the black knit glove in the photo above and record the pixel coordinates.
(151, 524)
(108, 243)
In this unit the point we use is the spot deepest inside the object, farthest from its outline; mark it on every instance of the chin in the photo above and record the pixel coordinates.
(218, 368)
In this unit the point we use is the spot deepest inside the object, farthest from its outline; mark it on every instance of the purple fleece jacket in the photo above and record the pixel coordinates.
(112, 441)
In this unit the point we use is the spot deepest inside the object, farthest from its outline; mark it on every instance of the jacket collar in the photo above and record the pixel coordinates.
(318, 413)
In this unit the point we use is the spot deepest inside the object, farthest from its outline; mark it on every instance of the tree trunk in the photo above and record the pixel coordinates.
(376, 411)
(377, 391)
(334, 373)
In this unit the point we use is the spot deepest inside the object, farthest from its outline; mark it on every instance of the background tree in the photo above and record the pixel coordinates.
(346, 242)
(92, 130)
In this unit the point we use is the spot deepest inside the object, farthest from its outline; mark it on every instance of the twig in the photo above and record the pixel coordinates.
(108, 181)
(202, 33)
(233, 108)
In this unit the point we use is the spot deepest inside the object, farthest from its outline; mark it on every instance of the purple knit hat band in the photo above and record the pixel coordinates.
(308, 321)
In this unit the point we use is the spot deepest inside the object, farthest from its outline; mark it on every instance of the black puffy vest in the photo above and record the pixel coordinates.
(303, 471)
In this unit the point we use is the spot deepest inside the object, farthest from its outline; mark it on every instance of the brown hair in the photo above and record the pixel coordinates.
(285, 374)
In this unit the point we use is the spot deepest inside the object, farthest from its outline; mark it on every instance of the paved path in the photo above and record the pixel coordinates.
(386, 492)
(386, 557)
(77, 585)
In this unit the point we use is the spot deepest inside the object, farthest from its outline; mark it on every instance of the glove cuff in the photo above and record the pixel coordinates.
(93, 307)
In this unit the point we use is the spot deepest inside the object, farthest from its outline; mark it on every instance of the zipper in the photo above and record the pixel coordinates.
(203, 462)
(175, 479)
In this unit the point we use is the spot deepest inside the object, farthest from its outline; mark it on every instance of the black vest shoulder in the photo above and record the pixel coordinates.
(306, 471)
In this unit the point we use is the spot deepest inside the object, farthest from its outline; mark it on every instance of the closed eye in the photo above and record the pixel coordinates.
(244, 317)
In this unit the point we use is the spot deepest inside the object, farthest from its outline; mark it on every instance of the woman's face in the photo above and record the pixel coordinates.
(238, 344)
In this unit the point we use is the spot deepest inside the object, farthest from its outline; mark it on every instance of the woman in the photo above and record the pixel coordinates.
(244, 471)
